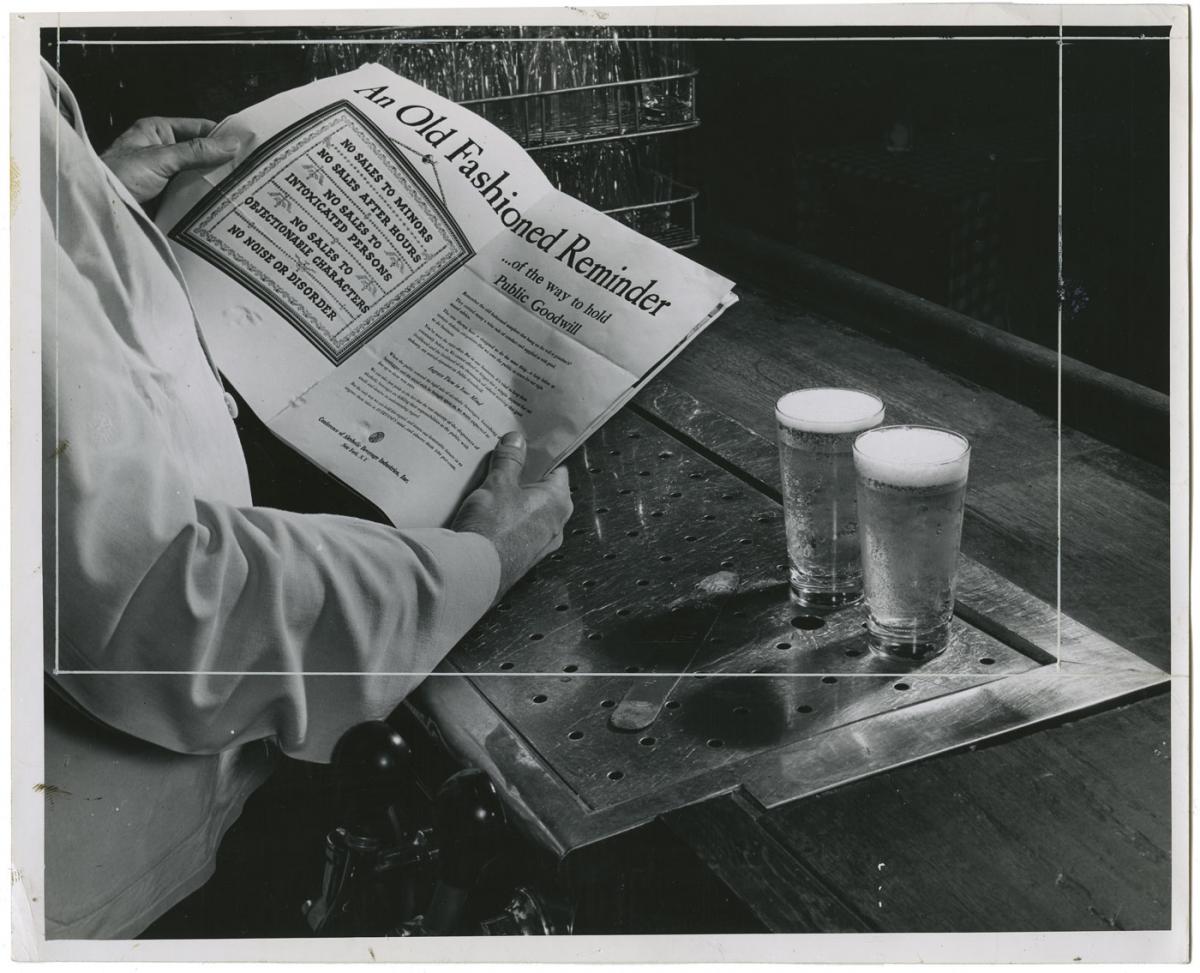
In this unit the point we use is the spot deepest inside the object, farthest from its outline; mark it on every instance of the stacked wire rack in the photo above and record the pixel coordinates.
(594, 110)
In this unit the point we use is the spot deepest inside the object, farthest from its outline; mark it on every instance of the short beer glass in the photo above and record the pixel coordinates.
(911, 484)
(816, 430)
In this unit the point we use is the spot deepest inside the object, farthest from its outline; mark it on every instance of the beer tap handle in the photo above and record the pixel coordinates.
(371, 765)
(469, 825)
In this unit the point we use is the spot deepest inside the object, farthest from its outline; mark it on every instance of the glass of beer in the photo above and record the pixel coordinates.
(817, 429)
(911, 485)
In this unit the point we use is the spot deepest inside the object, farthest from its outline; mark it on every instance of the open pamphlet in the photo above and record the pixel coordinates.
(392, 284)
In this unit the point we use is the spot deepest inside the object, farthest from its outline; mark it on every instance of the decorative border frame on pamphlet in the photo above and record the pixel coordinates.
(196, 231)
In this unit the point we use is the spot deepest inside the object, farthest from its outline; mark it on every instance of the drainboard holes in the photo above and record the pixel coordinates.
(726, 564)
(556, 556)
(570, 667)
(595, 636)
(608, 703)
(561, 608)
(622, 612)
(631, 533)
(536, 637)
(690, 537)
(648, 741)
(714, 743)
(854, 653)
(624, 491)
(730, 496)
(709, 517)
(665, 454)
(616, 774)
(575, 735)
(696, 476)
(595, 469)
(506, 666)
(783, 646)
(985, 661)
(901, 686)
(632, 669)
(586, 583)
(609, 556)
(804, 708)
(672, 704)
(829, 680)
(674, 495)
(745, 540)
(576, 531)
(665, 557)
(764, 518)
(539, 698)
(614, 452)
(643, 472)
(808, 623)
(635, 435)
(642, 582)
(602, 510)
(655, 514)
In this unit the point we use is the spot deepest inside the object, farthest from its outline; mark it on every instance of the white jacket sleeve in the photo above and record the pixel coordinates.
(177, 611)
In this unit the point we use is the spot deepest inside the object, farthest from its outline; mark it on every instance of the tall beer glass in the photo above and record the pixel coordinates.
(911, 485)
(817, 428)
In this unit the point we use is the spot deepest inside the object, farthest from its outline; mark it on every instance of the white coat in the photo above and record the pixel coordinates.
(186, 626)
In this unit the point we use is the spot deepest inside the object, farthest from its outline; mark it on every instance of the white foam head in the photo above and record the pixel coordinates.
(829, 410)
(912, 456)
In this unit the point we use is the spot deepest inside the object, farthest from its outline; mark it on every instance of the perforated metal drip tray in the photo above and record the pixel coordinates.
(773, 700)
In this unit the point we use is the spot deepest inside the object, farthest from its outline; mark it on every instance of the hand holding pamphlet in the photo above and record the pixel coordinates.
(392, 284)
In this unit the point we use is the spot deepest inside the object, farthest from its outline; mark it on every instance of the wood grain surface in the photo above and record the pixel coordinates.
(788, 897)
(1060, 829)
(1120, 411)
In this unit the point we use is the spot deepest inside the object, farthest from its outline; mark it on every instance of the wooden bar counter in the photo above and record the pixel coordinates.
(1063, 825)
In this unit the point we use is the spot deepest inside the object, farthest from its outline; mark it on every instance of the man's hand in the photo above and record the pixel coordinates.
(152, 150)
(524, 522)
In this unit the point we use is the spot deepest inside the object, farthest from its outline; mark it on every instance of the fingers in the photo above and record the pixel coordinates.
(198, 153)
(508, 458)
(557, 482)
(156, 130)
(189, 128)
(556, 488)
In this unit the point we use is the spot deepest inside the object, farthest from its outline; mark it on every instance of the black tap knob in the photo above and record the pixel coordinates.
(469, 825)
(372, 769)
(371, 753)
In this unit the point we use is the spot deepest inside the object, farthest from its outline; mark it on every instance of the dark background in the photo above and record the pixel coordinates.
(794, 145)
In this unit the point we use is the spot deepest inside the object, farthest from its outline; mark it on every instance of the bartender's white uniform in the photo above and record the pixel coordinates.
(176, 597)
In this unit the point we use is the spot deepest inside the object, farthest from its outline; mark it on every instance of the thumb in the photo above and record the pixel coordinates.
(508, 458)
(192, 154)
